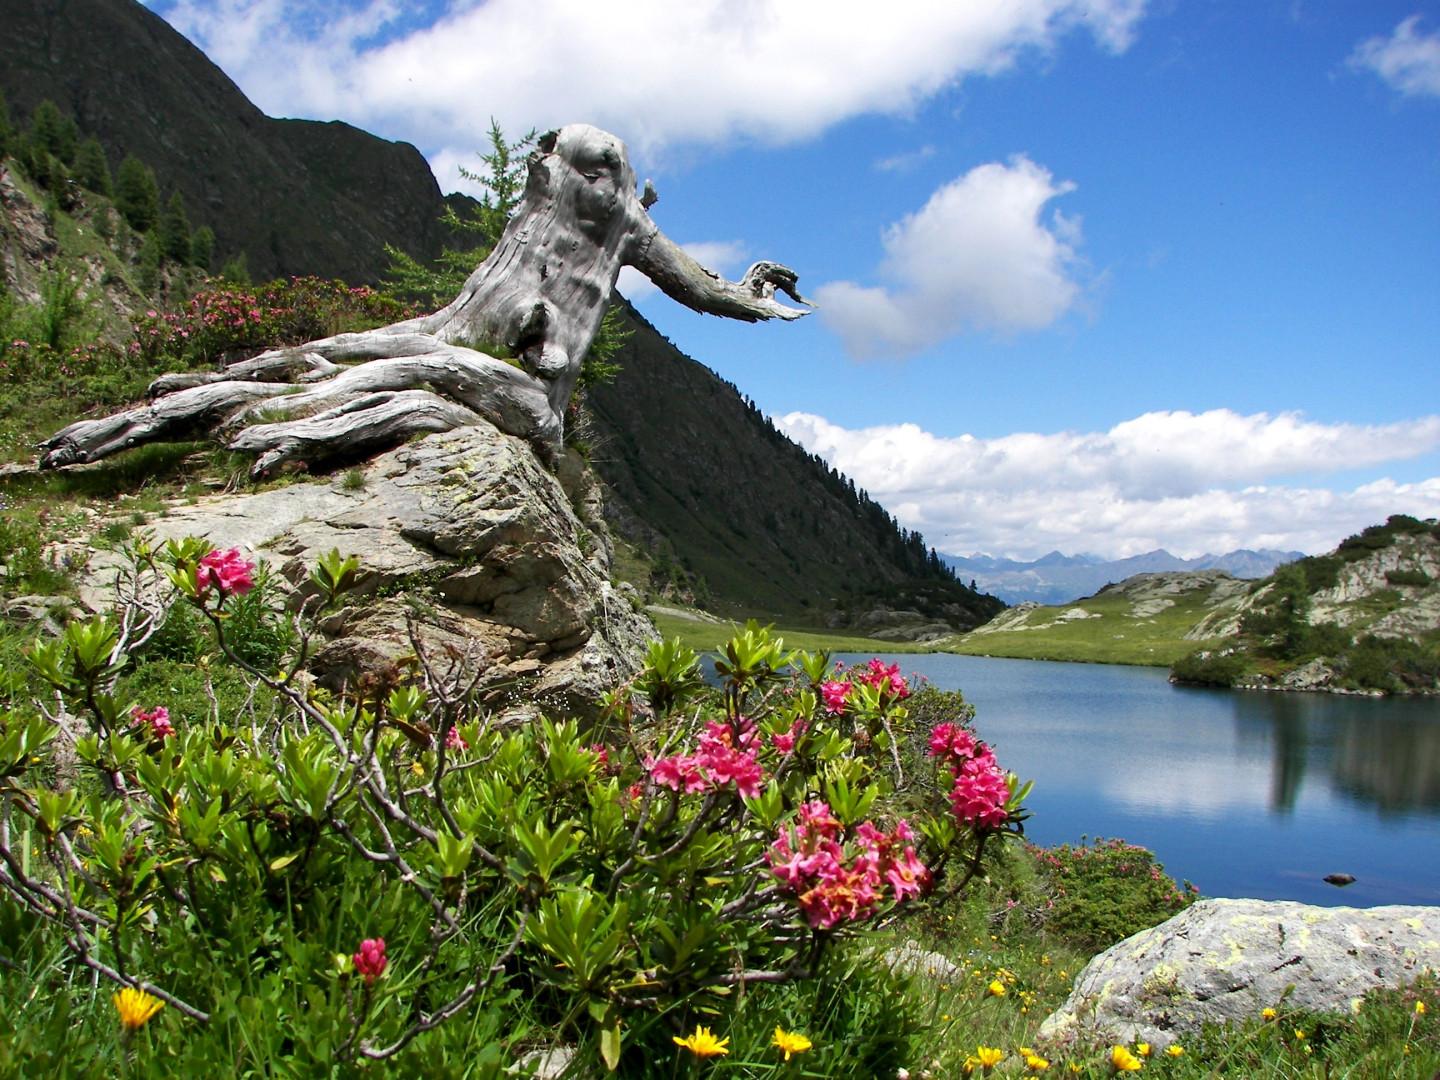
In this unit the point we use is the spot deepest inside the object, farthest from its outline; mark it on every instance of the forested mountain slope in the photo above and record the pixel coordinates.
(297, 196)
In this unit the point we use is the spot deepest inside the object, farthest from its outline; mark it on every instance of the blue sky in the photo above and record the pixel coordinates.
(1096, 275)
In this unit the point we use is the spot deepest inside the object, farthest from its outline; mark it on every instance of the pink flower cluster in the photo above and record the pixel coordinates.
(784, 741)
(226, 572)
(455, 741)
(810, 861)
(158, 720)
(370, 960)
(726, 755)
(980, 791)
(885, 679)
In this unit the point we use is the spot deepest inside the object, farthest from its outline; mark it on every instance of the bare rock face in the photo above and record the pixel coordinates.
(1225, 960)
(469, 535)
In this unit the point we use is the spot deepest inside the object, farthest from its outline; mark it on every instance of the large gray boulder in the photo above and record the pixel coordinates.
(468, 533)
(1225, 960)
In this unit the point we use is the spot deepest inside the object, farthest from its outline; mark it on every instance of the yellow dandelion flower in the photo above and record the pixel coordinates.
(1419, 1008)
(702, 1043)
(1174, 1050)
(1267, 1014)
(136, 1007)
(1075, 1067)
(1035, 1063)
(996, 988)
(1299, 1034)
(989, 1056)
(1143, 1049)
(969, 1066)
(792, 1042)
(1122, 1060)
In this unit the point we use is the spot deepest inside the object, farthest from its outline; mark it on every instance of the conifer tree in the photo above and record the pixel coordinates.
(202, 248)
(175, 231)
(92, 169)
(137, 195)
(53, 133)
(149, 271)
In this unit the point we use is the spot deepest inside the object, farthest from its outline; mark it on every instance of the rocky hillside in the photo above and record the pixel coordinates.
(1365, 617)
(297, 196)
(1149, 619)
(743, 521)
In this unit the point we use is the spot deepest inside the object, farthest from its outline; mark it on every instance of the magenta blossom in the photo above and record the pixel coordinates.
(157, 718)
(227, 572)
(834, 694)
(370, 960)
(455, 741)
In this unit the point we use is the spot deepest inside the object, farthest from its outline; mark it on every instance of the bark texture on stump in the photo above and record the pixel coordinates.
(536, 302)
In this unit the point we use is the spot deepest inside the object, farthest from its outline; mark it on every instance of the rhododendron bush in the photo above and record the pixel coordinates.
(415, 865)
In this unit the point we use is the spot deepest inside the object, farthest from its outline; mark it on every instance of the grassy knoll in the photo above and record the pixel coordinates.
(704, 636)
(1125, 632)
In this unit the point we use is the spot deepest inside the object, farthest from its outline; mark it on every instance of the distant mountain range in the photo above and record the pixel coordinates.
(1059, 579)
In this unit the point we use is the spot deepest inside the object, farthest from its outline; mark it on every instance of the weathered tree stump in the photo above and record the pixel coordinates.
(508, 349)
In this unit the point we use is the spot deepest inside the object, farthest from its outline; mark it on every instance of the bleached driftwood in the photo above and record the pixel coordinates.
(538, 298)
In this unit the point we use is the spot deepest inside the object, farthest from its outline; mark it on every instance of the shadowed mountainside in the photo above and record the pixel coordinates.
(297, 196)
(758, 525)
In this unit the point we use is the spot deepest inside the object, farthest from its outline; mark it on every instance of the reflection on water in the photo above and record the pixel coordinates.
(1246, 793)
(1383, 753)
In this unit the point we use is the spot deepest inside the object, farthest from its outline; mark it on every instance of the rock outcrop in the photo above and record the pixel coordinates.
(1226, 960)
(465, 532)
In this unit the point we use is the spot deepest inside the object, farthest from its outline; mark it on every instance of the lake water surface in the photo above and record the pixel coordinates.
(1242, 792)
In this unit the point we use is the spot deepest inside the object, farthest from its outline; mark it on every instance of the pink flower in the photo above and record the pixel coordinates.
(455, 741)
(885, 679)
(818, 819)
(679, 772)
(979, 797)
(908, 876)
(784, 741)
(158, 719)
(951, 740)
(227, 572)
(370, 960)
(834, 694)
(602, 755)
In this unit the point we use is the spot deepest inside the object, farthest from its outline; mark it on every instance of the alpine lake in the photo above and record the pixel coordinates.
(1243, 793)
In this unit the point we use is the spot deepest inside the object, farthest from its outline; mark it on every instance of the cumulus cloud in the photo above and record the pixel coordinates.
(653, 71)
(1190, 483)
(976, 255)
(1407, 60)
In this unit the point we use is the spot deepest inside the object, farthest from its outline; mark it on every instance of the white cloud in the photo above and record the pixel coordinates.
(1408, 61)
(976, 255)
(1185, 482)
(903, 163)
(723, 256)
(653, 71)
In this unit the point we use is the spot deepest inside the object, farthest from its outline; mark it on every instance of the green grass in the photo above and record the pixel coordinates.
(706, 636)
(1117, 637)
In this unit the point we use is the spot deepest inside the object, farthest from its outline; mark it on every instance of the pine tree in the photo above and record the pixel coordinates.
(137, 195)
(202, 248)
(236, 270)
(150, 264)
(175, 231)
(53, 133)
(92, 169)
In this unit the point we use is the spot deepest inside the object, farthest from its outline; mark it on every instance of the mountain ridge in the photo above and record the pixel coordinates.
(1060, 579)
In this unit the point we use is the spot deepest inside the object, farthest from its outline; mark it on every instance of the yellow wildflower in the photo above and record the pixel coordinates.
(1267, 1014)
(989, 1056)
(970, 1065)
(1299, 1034)
(996, 988)
(1036, 1063)
(1122, 1060)
(792, 1042)
(1174, 1050)
(1419, 1008)
(702, 1043)
(136, 1007)
(1143, 1049)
